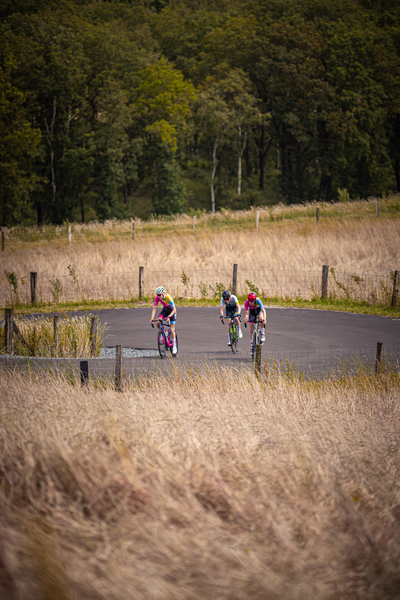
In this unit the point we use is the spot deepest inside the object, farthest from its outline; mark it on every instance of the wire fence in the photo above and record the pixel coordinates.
(303, 365)
(286, 284)
(201, 221)
(332, 363)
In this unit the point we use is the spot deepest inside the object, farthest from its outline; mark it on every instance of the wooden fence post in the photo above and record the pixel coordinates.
(234, 279)
(257, 219)
(93, 335)
(132, 229)
(84, 370)
(257, 360)
(33, 278)
(194, 224)
(118, 368)
(56, 321)
(9, 331)
(69, 234)
(317, 214)
(378, 362)
(395, 288)
(141, 281)
(3, 240)
(324, 287)
(377, 209)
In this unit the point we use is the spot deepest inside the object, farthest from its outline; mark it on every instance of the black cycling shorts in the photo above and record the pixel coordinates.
(166, 311)
(230, 313)
(253, 313)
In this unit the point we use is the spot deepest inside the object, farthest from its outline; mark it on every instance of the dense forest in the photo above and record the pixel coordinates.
(125, 108)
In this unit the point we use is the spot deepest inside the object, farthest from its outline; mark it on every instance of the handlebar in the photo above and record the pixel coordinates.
(166, 321)
(230, 318)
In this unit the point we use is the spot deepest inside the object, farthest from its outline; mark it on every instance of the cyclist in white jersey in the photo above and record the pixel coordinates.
(232, 308)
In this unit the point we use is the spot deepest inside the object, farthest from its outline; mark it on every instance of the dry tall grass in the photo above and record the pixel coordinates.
(203, 487)
(364, 246)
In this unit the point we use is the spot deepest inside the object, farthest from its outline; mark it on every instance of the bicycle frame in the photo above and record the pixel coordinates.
(233, 332)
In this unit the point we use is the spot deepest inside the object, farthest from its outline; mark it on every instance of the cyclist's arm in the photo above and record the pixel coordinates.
(153, 312)
(222, 308)
(238, 309)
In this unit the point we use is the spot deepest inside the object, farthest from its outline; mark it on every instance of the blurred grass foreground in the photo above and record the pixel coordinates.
(196, 485)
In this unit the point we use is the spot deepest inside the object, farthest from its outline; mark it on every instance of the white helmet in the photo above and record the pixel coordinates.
(160, 290)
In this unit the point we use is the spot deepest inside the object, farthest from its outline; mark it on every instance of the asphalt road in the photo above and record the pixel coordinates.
(200, 330)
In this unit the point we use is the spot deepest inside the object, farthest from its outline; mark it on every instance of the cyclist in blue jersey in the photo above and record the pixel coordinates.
(232, 308)
(168, 312)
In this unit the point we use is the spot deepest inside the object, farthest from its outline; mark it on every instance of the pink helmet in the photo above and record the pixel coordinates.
(252, 297)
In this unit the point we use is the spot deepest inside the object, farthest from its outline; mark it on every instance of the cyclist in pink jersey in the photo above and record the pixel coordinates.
(168, 312)
(254, 306)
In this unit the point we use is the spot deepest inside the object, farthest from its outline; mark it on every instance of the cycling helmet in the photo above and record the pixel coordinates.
(226, 294)
(252, 297)
(160, 290)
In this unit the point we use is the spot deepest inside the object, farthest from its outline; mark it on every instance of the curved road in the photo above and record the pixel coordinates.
(288, 329)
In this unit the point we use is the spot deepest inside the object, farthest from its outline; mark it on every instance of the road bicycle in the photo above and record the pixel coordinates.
(164, 339)
(256, 337)
(233, 332)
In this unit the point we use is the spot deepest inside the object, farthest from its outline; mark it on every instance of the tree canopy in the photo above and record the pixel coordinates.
(121, 108)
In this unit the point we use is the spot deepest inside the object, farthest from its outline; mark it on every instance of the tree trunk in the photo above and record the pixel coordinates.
(263, 147)
(39, 213)
(214, 158)
(240, 159)
(49, 137)
(397, 172)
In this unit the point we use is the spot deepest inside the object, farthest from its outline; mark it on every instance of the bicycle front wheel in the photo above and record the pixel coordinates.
(233, 336)
(162, 346)
(253, 344)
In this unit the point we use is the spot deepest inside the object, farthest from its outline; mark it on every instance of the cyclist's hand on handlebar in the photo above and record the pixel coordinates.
(151, 322)
(222, 320)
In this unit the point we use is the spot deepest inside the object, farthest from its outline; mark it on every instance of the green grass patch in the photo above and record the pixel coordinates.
(344, 305)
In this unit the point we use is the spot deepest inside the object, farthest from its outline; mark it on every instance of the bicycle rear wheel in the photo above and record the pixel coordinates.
(233, 336)
(162, 346)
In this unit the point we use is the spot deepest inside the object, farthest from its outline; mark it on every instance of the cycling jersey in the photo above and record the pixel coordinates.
(257, 304)
(167, 302)
(168, 307)
(231, 304)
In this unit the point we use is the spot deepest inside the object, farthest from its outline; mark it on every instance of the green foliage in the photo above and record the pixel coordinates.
(74, 278)
(56, 289)
(110, 109)
(343, 195)
(252, 287)
(12, 281)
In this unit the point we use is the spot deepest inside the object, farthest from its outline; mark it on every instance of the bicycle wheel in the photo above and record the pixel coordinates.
(162, 346)
(174, 355)
(233, 336)
(253, 344)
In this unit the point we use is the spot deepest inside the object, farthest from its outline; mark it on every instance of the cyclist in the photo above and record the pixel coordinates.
(168, 311)
(255, 307)
(232, 308)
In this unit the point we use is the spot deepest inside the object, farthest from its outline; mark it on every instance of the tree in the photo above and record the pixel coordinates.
(19, 146)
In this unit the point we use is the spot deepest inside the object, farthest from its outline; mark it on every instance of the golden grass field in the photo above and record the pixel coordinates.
(198, 487)
(364, 244)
